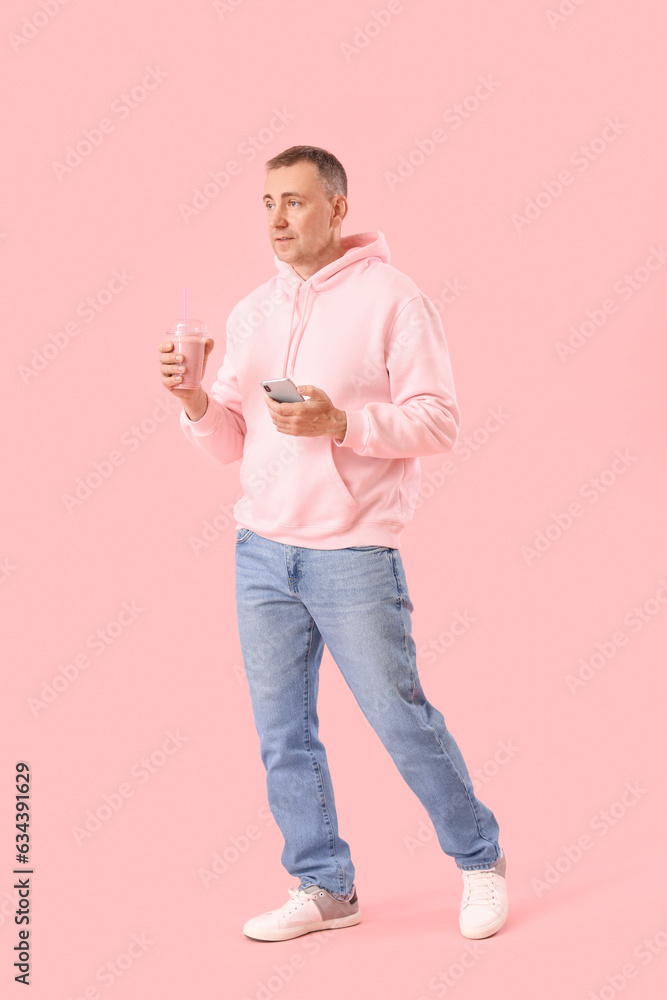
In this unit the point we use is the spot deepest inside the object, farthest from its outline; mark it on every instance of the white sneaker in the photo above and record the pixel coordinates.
(309, 909)
(484, 903)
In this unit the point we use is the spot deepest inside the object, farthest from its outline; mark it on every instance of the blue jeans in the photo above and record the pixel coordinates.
(291, 601)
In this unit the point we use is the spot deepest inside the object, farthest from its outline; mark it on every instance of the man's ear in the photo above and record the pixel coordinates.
(340, 207)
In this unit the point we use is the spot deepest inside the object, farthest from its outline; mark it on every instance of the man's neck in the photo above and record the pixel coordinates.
(334, 254)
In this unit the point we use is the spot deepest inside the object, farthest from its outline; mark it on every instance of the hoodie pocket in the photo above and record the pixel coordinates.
(294, 481)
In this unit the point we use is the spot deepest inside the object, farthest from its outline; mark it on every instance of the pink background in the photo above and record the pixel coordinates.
(579, 915)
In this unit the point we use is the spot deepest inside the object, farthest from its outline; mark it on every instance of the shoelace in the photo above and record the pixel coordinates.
(297, 898)
(480, 888)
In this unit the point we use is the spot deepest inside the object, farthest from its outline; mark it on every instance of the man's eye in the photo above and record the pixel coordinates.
(292, 202)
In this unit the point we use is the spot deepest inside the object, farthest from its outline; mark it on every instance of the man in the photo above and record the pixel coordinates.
(329, 483)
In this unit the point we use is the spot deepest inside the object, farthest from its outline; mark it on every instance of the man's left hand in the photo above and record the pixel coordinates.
(315, 417)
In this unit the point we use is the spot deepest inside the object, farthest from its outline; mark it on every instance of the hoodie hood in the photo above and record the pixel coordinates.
(371, 246)
(360, 248)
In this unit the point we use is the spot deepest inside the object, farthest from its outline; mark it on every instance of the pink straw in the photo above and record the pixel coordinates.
(184, 305)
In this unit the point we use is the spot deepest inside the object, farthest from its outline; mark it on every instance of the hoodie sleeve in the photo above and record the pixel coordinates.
(422, 417)
(221, 431)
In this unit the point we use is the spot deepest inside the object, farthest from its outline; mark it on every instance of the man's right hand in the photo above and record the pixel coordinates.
(195, 401)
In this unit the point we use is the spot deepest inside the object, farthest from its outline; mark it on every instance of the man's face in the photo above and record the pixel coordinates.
(303, 224)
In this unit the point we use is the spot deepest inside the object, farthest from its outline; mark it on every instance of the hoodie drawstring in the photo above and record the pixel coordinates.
(294, 339)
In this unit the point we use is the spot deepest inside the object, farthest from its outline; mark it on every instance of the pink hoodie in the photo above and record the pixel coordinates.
(363, 332)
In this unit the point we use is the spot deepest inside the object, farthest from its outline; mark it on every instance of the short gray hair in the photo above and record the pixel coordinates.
(330, 171)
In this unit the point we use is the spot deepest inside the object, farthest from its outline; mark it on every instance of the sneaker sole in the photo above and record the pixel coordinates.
(284, 934)
(483, 932)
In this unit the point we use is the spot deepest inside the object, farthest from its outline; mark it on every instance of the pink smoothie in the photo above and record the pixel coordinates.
(191, 347)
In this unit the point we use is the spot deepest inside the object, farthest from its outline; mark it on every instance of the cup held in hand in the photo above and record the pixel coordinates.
(189, 337)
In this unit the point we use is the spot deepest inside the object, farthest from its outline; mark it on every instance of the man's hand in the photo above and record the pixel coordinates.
(315, 417)
(195, 401)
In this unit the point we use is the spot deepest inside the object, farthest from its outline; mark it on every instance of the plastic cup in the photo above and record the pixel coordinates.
(189, 337)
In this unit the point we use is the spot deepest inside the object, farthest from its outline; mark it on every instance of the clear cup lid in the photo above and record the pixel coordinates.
(188, 326)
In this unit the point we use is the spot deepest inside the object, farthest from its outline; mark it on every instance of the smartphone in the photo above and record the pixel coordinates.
(282, 390)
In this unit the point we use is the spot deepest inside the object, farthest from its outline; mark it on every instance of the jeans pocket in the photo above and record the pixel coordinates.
(242, 535)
